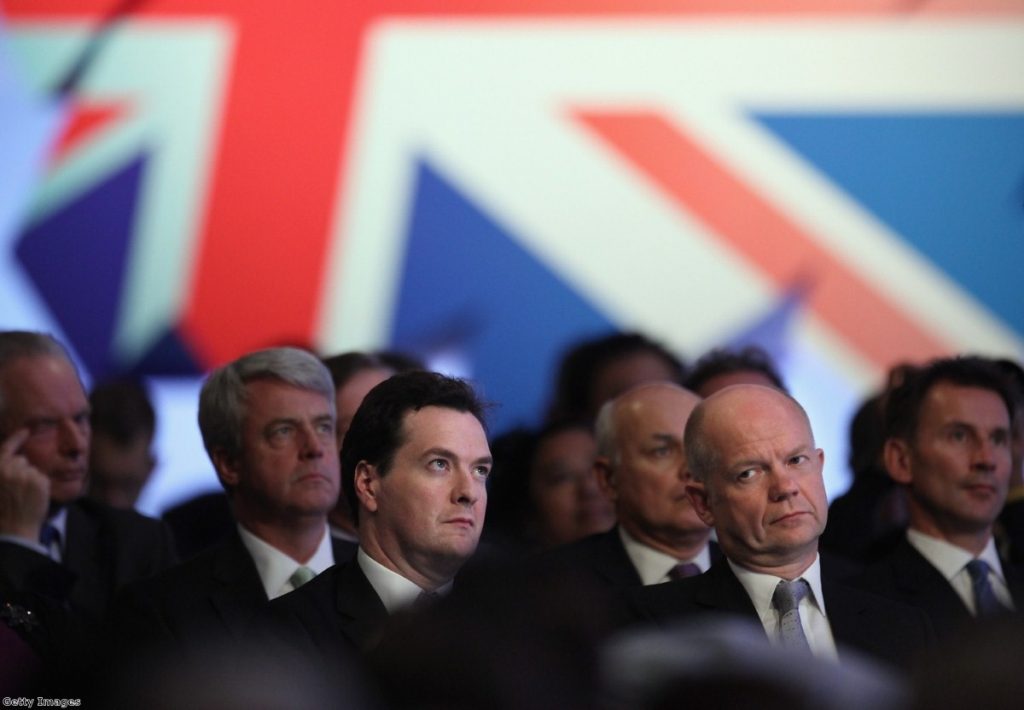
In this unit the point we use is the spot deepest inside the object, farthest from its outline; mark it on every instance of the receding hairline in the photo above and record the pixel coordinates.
(695, 437)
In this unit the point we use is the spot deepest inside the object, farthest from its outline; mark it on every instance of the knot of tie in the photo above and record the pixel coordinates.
(425, 600)
(985, 601)
(684, 570)
(48, 535)
(786, 600)
(300, 576)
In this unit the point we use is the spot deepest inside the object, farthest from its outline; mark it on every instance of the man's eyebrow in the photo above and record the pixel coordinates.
(448, 454)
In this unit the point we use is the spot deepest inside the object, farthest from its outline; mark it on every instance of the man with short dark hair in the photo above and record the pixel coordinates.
(415, 460)
(53, 541)
(268, 425)
(120, 458)
(948, 437)
(756, 478)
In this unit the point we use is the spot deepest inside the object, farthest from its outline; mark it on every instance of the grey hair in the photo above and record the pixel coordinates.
(605, 432)
(16, 344)
(222, 401)
(701, 458)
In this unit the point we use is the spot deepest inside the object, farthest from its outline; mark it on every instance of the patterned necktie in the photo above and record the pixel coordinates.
(684, 570)
(985, 601)
(786, 601)
(300, 576)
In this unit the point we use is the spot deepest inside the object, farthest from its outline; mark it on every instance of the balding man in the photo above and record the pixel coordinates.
(641, 468)
(53, 541)
(756, 478)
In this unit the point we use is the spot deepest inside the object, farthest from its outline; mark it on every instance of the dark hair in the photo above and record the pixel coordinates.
(377, 431)
(345, 366)
(581, 364)
(121, 411)
(722, 361)
(905, 398)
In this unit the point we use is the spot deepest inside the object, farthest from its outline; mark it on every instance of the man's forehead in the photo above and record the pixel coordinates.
(948, 400)
(433, 425)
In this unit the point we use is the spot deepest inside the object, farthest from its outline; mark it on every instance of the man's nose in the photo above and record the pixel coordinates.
(466, 489)
(313, 442)
(74, 437)
(782, 484)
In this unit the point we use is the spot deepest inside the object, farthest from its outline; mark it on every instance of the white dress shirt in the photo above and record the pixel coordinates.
(813, 617)
(951, 562)
(394, 590)
(275, 567)
(653, 565)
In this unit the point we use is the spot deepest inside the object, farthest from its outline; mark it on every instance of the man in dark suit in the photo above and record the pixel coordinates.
(415, 460)
(268, 425)
(756, 477)
(53, 542)
(641, 468)
(948, 431)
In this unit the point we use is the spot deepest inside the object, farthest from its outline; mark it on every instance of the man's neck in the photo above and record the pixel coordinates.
(387, 552)
(788, 568)
(682, 545)
(971, 541)
(299, 539)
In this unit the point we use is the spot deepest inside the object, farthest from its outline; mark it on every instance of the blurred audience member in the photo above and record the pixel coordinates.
(868, 520)
(1010, 531)
(594, 371)
(721, 368)
(728, 663)
(121, 457)
(641, 467)
(543, 491)
(354, 374)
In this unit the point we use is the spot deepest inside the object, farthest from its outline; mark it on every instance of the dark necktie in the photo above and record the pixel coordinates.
(985, 601)
(300, 576)
(49, 537)
(425, 600)
(684, 570)
(786, 601)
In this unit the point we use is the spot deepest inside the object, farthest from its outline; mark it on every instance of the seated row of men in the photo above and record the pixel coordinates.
(414, 465)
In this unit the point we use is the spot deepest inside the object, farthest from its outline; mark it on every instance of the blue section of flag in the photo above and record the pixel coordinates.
(76, 258)
(952, 185)
(467, 284)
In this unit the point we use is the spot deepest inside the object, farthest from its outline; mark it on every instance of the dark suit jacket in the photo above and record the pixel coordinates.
(906, 576)
(600, 560)
(105, 549)
(886, 630)
(213, 596)
(332, 616)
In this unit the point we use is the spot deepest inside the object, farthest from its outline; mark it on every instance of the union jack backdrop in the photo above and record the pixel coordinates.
(483, 183)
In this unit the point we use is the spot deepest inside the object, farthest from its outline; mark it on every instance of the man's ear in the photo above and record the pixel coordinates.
(367, 480)
(697, 492)
(228, 469)
(605, 475)
(896, 456)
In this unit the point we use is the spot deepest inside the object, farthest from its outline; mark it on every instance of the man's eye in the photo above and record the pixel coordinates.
(958, 435)
(482, 471)
(746, 475)
(438, 464)
(798, 459)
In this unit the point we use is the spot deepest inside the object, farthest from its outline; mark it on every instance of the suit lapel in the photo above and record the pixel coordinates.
(718, 589)
(361, 613)
(612, 561)
(237, 590)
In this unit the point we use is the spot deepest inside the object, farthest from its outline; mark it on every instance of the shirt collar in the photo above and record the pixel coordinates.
(275, 567)
(950, 559)
(394, 590)
(760, 587)
(653, 565)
